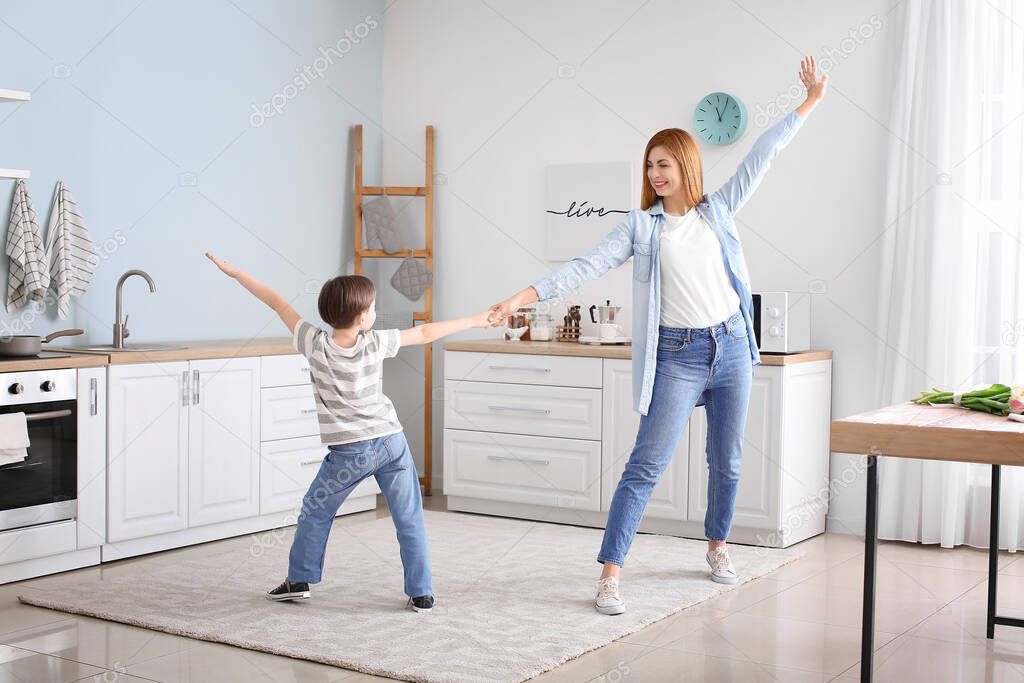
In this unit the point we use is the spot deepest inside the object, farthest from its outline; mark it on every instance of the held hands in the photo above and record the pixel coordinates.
(502, 310)
(483, 319)
(814, 82)
(225, 267)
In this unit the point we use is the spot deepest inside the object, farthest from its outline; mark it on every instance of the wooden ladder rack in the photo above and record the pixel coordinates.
(427, 314)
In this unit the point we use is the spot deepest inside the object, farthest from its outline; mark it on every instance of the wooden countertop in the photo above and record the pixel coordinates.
(29, 364)
(555, 348)
(194, 350)
(909, 430)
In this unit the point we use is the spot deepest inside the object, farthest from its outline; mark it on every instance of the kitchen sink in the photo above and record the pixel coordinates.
(135, 347)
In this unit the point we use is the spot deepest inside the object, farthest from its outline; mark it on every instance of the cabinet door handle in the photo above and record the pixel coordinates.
(184, 387)
(308, 411)
(93, 396)
(518, 367)
(537, 411)
(536, 461)
(311, 461)
(195, 387)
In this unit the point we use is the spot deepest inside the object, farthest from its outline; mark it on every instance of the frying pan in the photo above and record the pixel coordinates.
(26, 345)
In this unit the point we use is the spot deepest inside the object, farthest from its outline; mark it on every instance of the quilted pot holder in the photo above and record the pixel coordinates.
(412, 278)
(381, 226)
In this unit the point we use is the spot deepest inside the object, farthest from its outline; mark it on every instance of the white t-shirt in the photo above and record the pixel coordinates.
(695, 288)
(347, 383)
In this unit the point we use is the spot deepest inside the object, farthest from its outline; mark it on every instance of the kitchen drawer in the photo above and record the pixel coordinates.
(43, 540)
(533, 470)
(515, 368)
(282, 371)
(286, 469)
(564, 412)
(288, 412)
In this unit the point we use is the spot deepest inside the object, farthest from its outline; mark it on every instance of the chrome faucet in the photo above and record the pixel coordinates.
(121, 329)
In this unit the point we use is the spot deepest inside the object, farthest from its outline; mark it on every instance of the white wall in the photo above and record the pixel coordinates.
(514, 86)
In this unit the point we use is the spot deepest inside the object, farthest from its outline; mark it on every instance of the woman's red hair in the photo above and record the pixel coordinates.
(683, 149)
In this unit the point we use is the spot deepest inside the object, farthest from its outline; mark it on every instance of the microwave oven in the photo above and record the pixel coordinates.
(782, 321)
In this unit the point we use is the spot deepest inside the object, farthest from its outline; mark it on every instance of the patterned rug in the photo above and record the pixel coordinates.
(514, 598)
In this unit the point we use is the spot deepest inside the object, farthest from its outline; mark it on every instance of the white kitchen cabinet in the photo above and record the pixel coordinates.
(783, 492)
(92, 457)
(223, 440)
(290, 448)
(534, 470)
(147, 449)
(514, 466)
(288, 412)
(621, 422)
(288, 466)
(563, 412)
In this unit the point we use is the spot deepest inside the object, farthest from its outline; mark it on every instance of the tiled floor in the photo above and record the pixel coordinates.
(799, 624)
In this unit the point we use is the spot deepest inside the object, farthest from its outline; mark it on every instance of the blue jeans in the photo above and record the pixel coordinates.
(708, 366)
(389, 460)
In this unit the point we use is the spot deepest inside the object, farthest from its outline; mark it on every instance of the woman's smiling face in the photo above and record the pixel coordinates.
(663, 171)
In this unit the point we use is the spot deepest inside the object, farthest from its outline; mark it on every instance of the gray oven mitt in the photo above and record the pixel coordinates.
(381, 226)
(412, 278)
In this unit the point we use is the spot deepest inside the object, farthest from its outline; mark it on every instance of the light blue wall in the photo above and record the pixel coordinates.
(146, 111)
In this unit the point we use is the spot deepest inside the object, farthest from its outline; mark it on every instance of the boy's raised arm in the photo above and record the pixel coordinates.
(429, 332)
(268, 295)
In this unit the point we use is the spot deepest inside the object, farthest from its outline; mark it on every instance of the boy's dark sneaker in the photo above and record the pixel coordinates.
(289, 591)
(423, 603)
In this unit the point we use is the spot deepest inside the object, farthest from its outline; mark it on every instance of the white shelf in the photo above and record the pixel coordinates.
(14, 95)
(13, 173)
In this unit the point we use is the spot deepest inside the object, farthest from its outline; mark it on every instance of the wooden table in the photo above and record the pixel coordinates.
(908, 430)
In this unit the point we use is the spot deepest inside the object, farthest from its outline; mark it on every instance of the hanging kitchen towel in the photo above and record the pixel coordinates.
(13, 438)
(412, 278)
(28, 277)
(69, 250)
(381, 225)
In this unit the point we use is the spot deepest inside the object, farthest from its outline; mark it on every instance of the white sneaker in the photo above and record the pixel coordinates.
(608, 600)
(722, 570)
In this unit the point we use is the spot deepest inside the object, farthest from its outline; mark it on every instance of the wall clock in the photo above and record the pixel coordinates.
(720, 118)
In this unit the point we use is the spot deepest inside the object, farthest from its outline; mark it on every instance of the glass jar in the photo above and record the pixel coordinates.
(542, 327)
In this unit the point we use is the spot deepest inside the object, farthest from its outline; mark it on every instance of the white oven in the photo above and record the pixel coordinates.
(43, 487)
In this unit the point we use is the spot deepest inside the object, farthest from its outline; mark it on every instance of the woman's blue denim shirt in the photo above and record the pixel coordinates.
(638, 236)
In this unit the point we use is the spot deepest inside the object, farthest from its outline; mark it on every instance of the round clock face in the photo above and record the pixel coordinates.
(720, 118)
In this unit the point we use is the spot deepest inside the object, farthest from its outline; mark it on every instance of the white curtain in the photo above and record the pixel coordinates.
(951, 296)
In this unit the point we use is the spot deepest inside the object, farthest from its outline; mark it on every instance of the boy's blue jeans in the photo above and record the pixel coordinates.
(389, 460)
(710, 363)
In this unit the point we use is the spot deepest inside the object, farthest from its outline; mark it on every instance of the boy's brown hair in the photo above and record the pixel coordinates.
(343, 298)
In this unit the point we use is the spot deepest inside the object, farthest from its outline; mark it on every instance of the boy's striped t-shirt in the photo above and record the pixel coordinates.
(348, 382)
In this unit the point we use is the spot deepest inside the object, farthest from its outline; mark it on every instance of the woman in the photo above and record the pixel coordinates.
(693, 338)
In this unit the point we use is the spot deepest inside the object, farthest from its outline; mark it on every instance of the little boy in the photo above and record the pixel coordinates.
(358, 424)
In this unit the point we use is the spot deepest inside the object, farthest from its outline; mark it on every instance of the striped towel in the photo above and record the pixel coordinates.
(69, 250)
(28, 278)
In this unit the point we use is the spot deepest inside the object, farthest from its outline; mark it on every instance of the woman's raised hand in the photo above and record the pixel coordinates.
(814, 83)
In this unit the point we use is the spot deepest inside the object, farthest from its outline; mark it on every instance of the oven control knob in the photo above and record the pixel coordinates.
(48, 385)
(16, 388)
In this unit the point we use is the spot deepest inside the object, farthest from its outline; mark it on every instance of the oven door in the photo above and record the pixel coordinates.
(43, 487)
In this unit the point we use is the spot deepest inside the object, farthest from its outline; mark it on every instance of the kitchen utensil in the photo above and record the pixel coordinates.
(574, 315)
(607, 313)
(24, 345)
